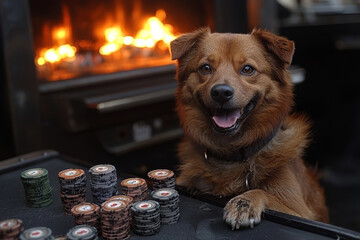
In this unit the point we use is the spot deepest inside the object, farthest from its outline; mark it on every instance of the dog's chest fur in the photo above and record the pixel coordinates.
(224, 178)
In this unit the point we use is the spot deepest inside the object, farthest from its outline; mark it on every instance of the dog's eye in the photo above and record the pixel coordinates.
(205, 69)
(247, 70)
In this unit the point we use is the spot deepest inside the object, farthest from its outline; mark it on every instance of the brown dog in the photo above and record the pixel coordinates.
(234, 99)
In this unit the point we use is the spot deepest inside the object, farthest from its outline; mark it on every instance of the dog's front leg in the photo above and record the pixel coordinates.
(245, 209)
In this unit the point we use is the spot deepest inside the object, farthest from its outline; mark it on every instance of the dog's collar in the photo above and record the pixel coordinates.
(244, 153)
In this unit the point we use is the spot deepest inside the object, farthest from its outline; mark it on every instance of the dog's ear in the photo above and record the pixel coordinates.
(280, 47)
(185, 42)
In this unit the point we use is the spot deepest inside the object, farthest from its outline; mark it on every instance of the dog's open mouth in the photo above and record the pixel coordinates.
(227, 121)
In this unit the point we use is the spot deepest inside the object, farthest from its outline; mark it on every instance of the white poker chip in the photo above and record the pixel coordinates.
(36, 233)
(85, 232)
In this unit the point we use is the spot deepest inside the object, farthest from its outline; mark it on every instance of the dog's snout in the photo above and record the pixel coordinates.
(222, 93)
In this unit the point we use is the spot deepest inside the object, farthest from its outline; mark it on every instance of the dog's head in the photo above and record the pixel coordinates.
(233, 88)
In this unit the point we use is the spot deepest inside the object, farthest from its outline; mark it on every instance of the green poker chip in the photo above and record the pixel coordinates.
(34, 173)
(37, 187)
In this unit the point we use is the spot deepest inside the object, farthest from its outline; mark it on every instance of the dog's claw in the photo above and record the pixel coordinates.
(252, 221)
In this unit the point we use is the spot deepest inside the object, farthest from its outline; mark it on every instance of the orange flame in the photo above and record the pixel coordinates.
(62, 51)
(153, 32)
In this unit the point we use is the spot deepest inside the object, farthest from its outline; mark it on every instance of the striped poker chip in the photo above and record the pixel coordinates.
(146, 217)
(114, 205)
(10, 228)
(87, 214)
(37, 187)
(72, 188)
(160, 174)
(115, 219)
(161, 178)
(168, 200)
(136, 188)
(103, 182)
(164, 194)
(84, 232)
(144, 207)
(37, 233)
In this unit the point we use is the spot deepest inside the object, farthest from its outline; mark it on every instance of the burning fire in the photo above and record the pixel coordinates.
(154, 33)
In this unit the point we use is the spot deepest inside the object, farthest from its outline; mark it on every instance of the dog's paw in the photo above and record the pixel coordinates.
(242, 213)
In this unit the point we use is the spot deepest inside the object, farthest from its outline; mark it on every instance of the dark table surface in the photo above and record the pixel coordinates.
(200, 219)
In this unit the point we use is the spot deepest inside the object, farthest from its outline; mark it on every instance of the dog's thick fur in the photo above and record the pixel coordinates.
(276, 175)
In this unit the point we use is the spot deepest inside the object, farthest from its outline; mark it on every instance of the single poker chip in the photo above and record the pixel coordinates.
(145, 207)
(114, 205)
(83, 232)
(70, 174)
(160, 174)
(133, 182)
(102, 169)
(164, 194)
(38, 233)
(34, 173)
(84, 209)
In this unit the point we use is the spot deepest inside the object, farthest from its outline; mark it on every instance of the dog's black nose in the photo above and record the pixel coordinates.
(222, 93)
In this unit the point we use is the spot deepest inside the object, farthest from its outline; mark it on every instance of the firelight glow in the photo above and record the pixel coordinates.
(154, 33)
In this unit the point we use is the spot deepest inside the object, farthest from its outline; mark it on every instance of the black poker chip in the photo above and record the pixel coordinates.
(168, 199)
(82, 232)
(146, 217)
(72, 188)
(103, 182)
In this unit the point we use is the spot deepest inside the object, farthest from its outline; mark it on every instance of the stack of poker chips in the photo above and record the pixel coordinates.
(87, 214)
(83, 232)
(128, 200)
(161, 178)
(168, 199)
(115, 220)
(72, 188)
(37, 233)
(10, 229)
(37, 187)
(103, 182)
(135, 188)
(146, 217)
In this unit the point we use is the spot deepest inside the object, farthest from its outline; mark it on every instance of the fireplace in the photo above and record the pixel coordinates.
(95, 80)
(73, 39)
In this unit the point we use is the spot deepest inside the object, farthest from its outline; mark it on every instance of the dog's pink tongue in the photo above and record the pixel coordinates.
(227, 120)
